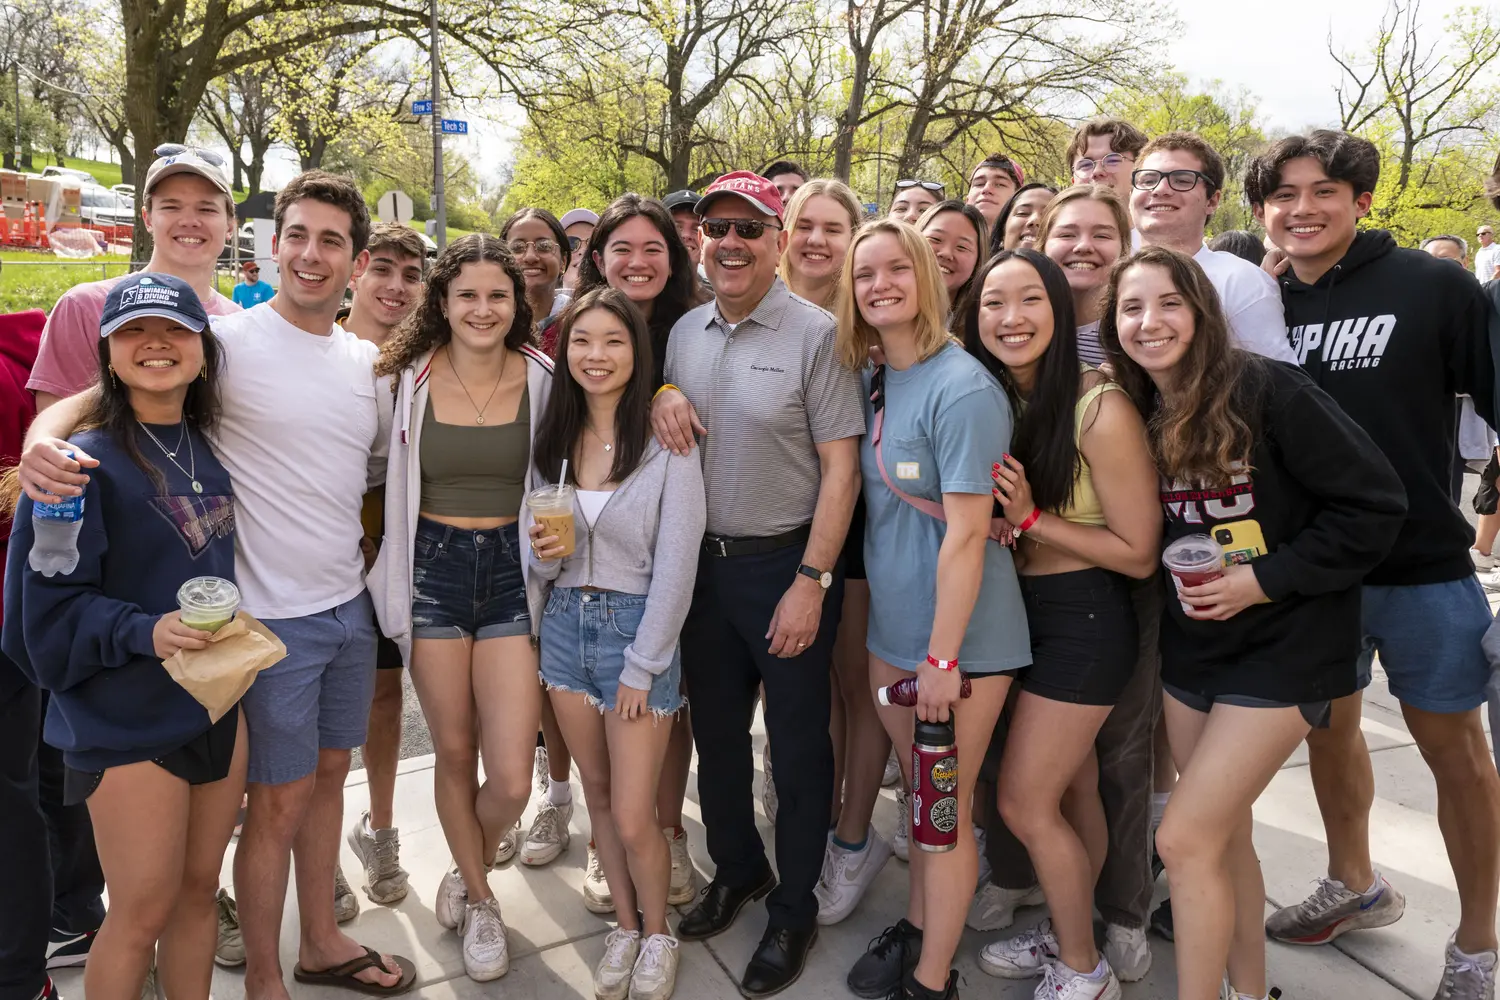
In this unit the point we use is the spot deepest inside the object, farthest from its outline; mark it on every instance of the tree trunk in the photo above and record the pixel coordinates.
(843, 143)
(127, 161)
(238, 183)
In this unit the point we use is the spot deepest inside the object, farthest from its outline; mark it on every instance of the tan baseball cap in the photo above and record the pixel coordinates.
(172, 159)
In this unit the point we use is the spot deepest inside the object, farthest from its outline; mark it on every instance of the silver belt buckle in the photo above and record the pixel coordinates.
(723, 548)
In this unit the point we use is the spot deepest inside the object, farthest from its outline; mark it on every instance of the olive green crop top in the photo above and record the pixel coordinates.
(1085, 508)
(475, 471)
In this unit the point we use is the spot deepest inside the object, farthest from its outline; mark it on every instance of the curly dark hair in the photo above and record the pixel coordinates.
(330, 189)
(427, 328)
(1344, 157)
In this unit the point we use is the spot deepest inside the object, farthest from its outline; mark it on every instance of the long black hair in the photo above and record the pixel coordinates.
(1044, 440)
(566, 414)
(113, 413)
(682, 290)
(958, 304)
(997, 235)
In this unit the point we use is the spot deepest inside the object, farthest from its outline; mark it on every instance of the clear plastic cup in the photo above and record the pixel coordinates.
(552, 508)
(1193, 560)
(208, 603)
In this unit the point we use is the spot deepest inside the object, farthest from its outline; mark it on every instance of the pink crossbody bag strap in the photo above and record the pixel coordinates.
(928, 507)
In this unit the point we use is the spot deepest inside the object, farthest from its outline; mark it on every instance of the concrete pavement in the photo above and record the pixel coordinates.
(555, 941)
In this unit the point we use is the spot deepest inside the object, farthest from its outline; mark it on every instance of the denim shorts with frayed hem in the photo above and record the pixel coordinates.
(467, 584)
(584, 635)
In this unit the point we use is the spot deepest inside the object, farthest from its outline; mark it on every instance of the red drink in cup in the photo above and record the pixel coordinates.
(1193, 560)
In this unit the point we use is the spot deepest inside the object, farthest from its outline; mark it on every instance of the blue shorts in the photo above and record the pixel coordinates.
(584, 635)
(1428, 637)
(318, 698)
(467, 584)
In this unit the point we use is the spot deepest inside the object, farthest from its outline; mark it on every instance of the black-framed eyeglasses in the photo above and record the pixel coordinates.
(1086, 166)
(924, 185)
(745, 229)
(542, 246)
(1178, 180)
(574, 242)
(177, 149)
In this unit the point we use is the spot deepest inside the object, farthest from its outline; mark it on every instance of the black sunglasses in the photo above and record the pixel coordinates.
(745, 229)
(1179, 180)
(177, 149)
(924, 185)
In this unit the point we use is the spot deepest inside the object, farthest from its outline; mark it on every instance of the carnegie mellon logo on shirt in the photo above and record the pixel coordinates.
(1344, 343)
(1198, 505)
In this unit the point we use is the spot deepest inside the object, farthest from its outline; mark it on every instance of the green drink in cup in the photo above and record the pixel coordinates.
(208, 603)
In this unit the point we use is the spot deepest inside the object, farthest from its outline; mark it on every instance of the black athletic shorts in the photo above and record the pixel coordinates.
(202, 760)
(387, 654)
(1084, 636)
(854, 542)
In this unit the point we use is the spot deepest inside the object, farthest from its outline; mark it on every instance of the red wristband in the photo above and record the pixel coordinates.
(1031, 519)
(933, 661)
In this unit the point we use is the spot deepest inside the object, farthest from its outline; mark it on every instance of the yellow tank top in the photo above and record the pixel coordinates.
(1086, 508)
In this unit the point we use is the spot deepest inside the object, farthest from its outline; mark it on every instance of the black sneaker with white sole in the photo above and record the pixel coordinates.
(49, 991)
(67, 951)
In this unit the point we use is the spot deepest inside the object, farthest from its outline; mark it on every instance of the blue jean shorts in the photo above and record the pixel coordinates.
(584, 635)
(1428, 637)
(467, 584)
(318, 697)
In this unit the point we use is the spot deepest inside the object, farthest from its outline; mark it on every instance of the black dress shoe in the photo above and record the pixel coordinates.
(913, 990)
(886, 962)
(778, 962)
(721, 904)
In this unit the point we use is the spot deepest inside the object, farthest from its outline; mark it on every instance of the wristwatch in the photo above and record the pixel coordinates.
(824, 578)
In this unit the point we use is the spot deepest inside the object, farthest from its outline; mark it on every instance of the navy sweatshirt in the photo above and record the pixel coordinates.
(1393, 335)
(1328, 507)
(86, 636)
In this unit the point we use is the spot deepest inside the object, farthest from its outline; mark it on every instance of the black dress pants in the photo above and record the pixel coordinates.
(725, 657)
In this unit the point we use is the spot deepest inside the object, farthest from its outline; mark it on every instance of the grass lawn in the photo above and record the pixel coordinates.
(37, 280)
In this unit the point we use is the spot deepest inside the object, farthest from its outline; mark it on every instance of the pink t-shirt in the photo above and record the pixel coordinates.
(69, 359)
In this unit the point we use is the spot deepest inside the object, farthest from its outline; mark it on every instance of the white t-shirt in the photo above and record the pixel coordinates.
(1485, 260)
(1252, 302)
(300, 430)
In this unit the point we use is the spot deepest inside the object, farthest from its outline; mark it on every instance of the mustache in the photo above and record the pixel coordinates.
(722, 256)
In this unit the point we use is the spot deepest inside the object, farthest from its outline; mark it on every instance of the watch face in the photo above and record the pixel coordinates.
(825, 580)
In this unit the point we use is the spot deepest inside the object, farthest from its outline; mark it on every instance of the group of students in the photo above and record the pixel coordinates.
(811, 454)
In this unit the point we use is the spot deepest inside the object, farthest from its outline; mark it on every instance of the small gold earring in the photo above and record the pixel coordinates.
(203, 372)
(113, 378)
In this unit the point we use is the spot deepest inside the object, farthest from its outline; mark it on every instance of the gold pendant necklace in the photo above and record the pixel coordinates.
(478, 411)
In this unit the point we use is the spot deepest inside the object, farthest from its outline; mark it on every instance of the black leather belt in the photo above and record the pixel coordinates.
(718, 545)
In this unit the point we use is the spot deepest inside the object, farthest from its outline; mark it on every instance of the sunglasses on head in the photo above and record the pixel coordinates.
(177, 149)
(745, 229)
(924, 185)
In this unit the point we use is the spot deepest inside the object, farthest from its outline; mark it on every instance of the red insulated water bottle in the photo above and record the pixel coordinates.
(934, 786)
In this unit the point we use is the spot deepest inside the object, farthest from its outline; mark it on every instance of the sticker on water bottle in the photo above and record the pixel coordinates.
(944, 814)
(944, 774)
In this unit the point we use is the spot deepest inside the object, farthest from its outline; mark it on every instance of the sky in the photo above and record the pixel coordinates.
(1278, 49)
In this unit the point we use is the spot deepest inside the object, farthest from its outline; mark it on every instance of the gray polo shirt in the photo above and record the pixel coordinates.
(769, 389)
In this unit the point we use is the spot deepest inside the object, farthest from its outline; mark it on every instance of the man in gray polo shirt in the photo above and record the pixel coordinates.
(754, 372)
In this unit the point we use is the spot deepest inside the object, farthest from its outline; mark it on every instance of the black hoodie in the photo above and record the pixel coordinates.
(1394, 335)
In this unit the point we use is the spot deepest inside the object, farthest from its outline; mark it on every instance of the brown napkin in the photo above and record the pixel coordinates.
(220, 674)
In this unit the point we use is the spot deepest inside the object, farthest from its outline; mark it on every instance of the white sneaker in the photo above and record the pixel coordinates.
(892, 770)
(900, 839)
(768, 799)
(612, 974)
(655, 975)
(486, 952)
(1466, 977)
(682, 888)
(1127, 951)
(596, 895)
(507, 847)
(548, 836)
(1022, 956)
(379, 851)
(994, 908)
(345, 903)
(1484, 563)
(1061, 983)
(452, 898)
(847, 876)
(540, 773)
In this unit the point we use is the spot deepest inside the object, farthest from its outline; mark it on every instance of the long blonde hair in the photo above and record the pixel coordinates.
(855, 336)
(825, 188)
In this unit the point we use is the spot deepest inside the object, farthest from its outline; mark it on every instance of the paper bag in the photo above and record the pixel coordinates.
(220, 674)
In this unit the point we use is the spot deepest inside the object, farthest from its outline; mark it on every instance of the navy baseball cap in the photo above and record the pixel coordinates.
(151, 294)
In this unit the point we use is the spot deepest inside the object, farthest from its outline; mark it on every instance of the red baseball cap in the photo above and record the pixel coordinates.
(760, 193)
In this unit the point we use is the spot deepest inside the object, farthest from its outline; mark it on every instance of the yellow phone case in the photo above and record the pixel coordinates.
(1242, 541)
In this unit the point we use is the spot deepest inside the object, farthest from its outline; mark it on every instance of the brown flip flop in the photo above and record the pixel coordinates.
(342, 976)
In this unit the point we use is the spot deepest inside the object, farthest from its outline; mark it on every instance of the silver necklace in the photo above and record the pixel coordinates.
(607, 446)
(192, 470)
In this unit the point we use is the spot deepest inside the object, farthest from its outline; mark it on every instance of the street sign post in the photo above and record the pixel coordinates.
(394, 206)
(452, 126)
(421, 107)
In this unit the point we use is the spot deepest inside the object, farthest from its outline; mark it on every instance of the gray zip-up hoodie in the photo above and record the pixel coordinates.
(646, 540)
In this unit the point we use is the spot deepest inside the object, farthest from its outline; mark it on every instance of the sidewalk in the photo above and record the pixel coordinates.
(555, 942)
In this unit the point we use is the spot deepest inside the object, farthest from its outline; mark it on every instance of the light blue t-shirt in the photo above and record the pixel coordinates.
(947, 421)
(246, 296)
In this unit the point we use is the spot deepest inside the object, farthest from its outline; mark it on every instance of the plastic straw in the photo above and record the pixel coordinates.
(562, 477)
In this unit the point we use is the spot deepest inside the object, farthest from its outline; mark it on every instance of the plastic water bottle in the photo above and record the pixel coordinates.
(55, 527)
(904, 691)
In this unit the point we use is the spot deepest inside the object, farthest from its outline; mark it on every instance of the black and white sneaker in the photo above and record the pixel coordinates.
(66, 951)
(49, 991)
